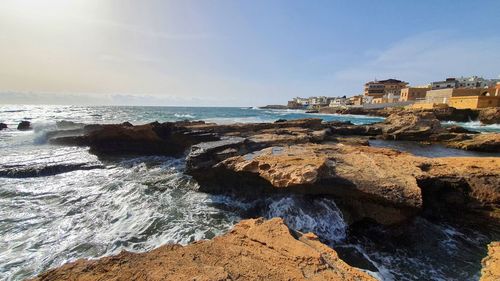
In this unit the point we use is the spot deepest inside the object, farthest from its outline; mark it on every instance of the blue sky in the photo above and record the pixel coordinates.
(235, 52)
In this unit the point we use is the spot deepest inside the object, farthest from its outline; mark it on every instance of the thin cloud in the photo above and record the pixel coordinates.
(426, 57)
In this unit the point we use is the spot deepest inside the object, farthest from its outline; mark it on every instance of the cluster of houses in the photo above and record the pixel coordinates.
(464, 92)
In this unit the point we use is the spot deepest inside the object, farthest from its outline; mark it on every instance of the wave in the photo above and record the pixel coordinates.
(318, 215)
(475, 126)
(184, 115)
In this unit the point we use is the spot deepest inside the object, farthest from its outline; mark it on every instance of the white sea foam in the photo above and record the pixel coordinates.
(475, 126)
(318, 215)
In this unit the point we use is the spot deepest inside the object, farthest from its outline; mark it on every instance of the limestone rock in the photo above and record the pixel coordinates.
(490, 115)
(366, 178)
(417, 126)
(253, 250)
(491, 263)
(488, 142)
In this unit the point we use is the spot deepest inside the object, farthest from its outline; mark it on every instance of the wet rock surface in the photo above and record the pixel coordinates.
(253, 250)
(490, 115)
(3, 126)
(481, 142)
(326, 160)
(24, 126)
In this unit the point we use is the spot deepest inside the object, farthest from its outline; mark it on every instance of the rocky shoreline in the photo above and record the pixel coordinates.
(307, 156)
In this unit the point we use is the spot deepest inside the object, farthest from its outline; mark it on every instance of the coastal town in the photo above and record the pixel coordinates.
(462, 93)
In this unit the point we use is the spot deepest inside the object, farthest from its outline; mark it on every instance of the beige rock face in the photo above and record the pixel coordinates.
(490, 115)
(481, 142)
(415, 126)
(253, 250)
(491, 263)
(382, 184)
(380, 178)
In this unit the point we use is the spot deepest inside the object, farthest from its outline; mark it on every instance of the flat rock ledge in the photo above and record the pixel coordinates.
(254, 249)
(385, 185)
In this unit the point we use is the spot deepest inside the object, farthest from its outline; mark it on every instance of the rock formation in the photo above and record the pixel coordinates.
(154, 138)
(3, 126)
(24, 126)
(480, 142)
(253, 250)
(491, 263)
(490, 115)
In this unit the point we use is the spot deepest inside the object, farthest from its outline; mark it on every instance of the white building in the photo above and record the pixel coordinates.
(476, 82)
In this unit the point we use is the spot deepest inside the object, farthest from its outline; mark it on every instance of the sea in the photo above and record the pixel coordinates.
(61, 203)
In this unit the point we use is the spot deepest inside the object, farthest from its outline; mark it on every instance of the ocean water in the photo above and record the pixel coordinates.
(59, 204)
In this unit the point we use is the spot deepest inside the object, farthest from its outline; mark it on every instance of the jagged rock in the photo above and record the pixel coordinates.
(206, 154)
(491, 263)
(356, 130)
(253, 250)
(488, 142)
(247, 129)
(417, 126)
(381, 184)
(452, 185)
(460, 130)
(154, 138)
(490, 115)
(454, 114)
(358, 175)
(3, 126)
(24, 126)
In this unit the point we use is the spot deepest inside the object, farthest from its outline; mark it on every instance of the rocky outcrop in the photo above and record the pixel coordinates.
(490, 115)
(454, 114)
(24, 126)
(253, 250)
(3, 126)
(453, 186)
(274, 106)
(491, 263)
(481, 142)
(418, 126)
(355, 174)
(381, 184)
(248, 129)
(154, 138)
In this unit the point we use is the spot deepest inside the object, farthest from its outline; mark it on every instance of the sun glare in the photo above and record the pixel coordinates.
(45, 8)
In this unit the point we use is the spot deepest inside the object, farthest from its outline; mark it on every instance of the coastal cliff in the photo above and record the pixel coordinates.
(328, 160)
(253, 250)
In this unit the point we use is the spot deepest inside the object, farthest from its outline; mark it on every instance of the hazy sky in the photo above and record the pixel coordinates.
(242, 53)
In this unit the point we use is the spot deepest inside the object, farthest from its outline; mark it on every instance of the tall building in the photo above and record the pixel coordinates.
(389, 87)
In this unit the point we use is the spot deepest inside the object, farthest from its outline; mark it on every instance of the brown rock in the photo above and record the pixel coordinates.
(490, 115)
(24, 126)
(488, 142)
(155, 138)
(253, 250)
(381, 179)
(491, 263)
(416, 126)
(382, 184)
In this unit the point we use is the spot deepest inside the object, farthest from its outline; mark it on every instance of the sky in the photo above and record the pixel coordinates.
(235, 53)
